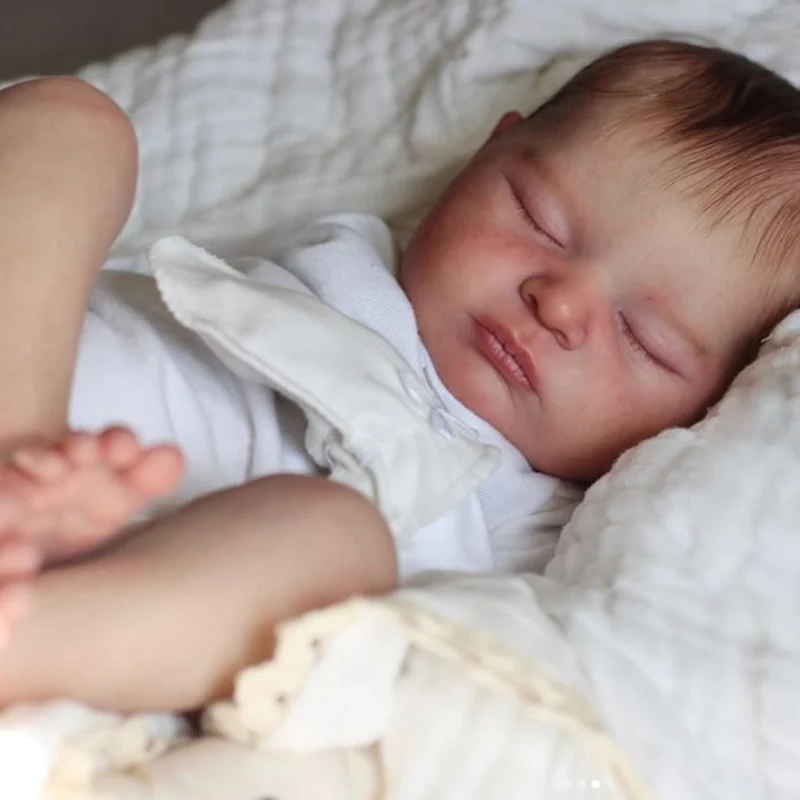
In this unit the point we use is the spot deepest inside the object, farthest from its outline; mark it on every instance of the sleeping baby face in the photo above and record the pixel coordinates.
(573, 302)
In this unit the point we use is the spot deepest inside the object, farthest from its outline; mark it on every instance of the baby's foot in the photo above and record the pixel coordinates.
(78, 494)
(60, 500)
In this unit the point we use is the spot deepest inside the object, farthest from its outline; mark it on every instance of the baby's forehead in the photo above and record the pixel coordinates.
(729, 197)
(622, 173)
(733, 240)
(617, 150)
(750, 205)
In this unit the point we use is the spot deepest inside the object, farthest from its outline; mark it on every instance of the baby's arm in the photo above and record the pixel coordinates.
(168, 617)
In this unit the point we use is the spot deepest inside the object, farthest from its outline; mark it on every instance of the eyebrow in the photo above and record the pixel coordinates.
(535, 161)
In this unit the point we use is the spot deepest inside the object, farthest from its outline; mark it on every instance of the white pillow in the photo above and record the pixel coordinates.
(275, 110)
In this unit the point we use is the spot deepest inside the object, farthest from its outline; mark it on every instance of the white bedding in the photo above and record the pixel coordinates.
(668, 665)
(283, 109)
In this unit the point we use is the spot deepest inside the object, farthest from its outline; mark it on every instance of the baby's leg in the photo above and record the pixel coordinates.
(67, 178)
(168, 617)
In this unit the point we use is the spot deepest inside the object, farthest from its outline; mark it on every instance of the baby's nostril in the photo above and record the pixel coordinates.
(529, 299)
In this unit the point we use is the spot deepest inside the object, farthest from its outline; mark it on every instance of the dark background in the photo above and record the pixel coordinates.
(52, 36)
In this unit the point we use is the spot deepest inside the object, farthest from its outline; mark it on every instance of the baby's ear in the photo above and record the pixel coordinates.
(508, 120)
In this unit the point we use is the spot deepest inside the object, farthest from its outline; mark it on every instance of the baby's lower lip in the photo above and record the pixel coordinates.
(492, 348)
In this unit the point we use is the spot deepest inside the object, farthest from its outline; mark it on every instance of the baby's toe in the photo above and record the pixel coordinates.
(158, 472)
(121, 447)
(82, 450)
(40, 463)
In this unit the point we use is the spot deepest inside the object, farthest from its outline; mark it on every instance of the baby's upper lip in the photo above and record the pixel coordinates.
(511, 342)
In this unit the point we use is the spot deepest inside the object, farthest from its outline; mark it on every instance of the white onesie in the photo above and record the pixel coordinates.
(140, 366)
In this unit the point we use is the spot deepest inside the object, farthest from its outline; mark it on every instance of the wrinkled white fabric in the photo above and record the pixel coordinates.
(350, 261)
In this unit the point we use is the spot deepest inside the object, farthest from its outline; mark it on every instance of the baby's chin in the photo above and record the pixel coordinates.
(558, 458)
(475, 394)
(477, 386)
(582, 468)
(497, 410)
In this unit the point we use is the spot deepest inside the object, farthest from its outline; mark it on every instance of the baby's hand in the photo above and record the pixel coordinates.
(59, 501)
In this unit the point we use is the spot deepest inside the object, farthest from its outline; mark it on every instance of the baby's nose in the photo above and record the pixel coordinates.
(562, 305)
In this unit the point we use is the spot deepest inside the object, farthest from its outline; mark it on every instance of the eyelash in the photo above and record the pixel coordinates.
(628, 333)
(528, 217)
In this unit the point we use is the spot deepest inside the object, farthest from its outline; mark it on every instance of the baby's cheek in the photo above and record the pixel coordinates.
(620, 406)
